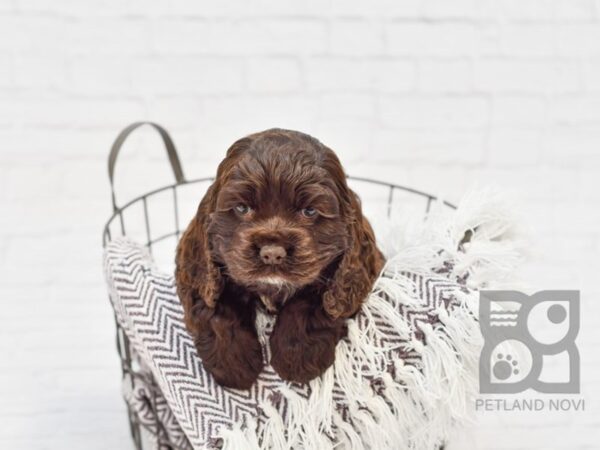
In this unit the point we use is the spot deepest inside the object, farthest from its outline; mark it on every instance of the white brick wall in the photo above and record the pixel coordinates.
(436, 94)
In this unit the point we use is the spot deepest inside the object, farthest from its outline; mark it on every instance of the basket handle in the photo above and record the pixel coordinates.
(120, 140)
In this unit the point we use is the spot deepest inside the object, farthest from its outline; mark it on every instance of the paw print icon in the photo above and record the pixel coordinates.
(505, 367)
(521, 334)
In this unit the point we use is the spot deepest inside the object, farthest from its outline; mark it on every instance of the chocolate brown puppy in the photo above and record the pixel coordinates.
(278, 229)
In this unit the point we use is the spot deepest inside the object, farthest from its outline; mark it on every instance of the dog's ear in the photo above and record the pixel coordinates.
(197, 276)
(358, 268)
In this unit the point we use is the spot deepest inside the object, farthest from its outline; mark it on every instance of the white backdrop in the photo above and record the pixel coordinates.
(436, 94)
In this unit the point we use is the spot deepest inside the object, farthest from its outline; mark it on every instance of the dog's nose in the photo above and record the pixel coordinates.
(272, 254)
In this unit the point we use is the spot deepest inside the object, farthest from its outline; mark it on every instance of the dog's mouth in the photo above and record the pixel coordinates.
(273, 280)
(277, 274)
(282, 278)
(293, 273)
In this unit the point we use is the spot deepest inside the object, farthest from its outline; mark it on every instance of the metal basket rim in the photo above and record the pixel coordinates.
(392, 187)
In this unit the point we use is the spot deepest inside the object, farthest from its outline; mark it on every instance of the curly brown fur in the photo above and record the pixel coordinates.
(280, 229)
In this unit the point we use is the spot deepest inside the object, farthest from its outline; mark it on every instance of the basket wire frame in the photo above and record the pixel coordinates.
(124, 347)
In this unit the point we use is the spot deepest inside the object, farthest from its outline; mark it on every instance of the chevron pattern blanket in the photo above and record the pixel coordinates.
(404, 377)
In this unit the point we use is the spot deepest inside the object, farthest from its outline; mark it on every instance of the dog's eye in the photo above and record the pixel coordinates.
(309, 212)
(242, 209)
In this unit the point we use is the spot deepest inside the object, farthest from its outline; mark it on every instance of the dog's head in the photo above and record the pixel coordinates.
(280, 217)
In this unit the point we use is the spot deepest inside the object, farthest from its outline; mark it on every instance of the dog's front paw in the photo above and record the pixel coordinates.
(234, 357)
(301, 360)
(303, 342)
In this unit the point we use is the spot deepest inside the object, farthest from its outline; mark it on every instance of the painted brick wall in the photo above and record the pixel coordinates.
(437, 94)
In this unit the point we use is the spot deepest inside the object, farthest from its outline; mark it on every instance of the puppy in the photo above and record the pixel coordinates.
(278, 229)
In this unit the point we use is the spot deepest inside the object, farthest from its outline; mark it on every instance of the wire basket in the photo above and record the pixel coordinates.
(154, 218)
